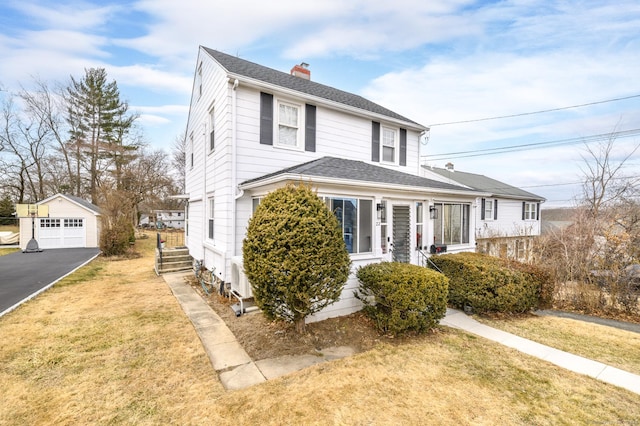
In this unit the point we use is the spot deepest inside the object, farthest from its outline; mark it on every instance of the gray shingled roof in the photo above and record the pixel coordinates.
(339, 168)
(84, 203)
(485, 184)
(258, 72)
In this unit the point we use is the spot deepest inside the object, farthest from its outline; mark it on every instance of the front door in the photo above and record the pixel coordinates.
(401, 251)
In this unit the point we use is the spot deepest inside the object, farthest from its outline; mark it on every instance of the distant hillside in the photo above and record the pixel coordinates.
(557, 214)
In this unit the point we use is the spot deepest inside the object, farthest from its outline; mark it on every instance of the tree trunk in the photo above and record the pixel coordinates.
(300, 325)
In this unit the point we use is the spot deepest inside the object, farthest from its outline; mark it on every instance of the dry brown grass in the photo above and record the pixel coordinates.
(112, 349)
(618, 348)
(450, 378)
(112, 346)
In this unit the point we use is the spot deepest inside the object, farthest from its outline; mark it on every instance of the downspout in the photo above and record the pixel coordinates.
(234, 165)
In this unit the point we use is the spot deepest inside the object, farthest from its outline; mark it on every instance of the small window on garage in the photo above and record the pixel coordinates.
(49, 223)
(73, 223)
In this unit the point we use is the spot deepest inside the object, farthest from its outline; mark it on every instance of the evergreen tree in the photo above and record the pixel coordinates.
(6, 211)
(100, 124)
(294, 255)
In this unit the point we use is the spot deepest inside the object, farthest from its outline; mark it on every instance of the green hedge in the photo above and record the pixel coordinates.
(400, 297)
(491, 284)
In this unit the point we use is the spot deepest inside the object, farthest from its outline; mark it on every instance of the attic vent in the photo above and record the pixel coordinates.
(301, 71)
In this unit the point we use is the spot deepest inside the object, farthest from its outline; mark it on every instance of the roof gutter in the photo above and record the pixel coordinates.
(296, 177)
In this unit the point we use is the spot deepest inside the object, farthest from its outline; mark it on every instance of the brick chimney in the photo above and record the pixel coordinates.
(301, 71)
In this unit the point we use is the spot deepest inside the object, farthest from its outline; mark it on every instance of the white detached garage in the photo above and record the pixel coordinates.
(72, 222)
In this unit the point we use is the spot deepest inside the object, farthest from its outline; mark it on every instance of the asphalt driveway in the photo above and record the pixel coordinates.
(24, 275)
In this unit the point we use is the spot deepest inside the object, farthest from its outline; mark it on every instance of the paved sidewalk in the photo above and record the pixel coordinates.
(237, 370)
(575, 363)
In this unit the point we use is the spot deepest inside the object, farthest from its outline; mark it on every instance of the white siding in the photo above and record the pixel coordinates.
(338, 133)
(60, 208)
(509, 222)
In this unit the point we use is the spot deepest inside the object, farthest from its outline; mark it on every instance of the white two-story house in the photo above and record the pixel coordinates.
(507, 219)
(252, 129)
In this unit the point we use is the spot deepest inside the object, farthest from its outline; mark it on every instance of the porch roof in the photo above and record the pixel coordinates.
(340, 170)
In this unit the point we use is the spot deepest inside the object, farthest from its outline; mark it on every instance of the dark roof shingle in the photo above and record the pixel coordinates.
(339, 168)
(485, 184)
(258, 72)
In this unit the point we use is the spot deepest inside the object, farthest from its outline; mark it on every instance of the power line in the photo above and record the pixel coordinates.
(534, 112)
(531, 146)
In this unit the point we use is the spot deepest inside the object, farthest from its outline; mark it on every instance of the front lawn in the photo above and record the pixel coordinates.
(111, 345)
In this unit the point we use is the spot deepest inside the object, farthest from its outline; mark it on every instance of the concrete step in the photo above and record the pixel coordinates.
(176, 258)
(173, 260)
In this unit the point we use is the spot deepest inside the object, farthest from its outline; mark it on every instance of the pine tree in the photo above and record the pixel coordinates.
(100, 123)
(294, 255)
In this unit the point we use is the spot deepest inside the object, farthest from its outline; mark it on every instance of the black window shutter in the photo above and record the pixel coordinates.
(538, 211)
(310, 128)
(482, 209)
(266, 118)
(495, 209)
(523, 207)
(375, 141)
(403, 147)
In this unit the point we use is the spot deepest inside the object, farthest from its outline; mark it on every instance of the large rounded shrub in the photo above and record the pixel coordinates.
(400, 297)
(294, 255)
(491, 284)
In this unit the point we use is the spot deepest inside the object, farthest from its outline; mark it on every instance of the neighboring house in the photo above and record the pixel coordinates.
(507, 218)
(72, 222)
(252, 129)
(170, 218)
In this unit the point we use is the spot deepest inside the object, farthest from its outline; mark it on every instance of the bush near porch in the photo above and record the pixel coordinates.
(401, 297)
(490, 284)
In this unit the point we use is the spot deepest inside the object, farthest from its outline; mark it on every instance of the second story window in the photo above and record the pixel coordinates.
(191, 151)
(288, 125)
(212, 139)
(389, 143)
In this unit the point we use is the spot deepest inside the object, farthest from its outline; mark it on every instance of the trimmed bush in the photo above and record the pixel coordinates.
(294, 255)
(400, 297)
(491, 284)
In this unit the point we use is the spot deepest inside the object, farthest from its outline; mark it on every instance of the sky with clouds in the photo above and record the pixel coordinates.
(448, 64)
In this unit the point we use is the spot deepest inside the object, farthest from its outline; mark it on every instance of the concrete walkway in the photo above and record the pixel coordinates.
(237, 370)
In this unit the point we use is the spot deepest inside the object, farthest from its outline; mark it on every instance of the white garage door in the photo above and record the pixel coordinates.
(61, 233)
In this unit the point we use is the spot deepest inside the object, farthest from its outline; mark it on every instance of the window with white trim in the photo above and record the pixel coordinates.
(452, 223)
(488, 209)
(530, 211)
(191, 150)
(288, 125)
(199, 80)
(389, 145)
(49, 223)
(419, 226)
(73, 223)
(212, 139)
(211, 220)
(356, 221)
(383, 227)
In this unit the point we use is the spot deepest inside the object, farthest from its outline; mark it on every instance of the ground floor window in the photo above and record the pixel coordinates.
(211, 218)
(355, 217)
(452, 223)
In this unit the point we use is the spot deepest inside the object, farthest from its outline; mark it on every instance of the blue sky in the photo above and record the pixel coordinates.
(432, 61)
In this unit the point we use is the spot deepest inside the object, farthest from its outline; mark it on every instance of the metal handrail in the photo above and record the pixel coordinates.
(425, 259)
